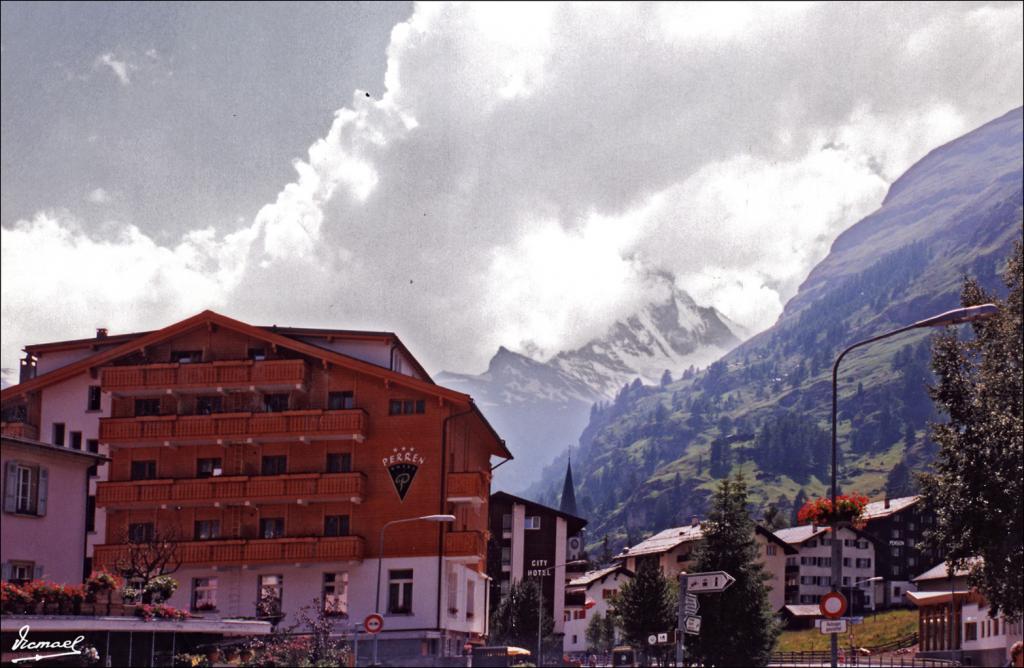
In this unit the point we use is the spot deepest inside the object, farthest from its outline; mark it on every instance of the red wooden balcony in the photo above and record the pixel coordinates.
(20, 430)
(244, 552)
(470, 487)
(158, 378)
(468, 544)
(286, 425)
(233, 489)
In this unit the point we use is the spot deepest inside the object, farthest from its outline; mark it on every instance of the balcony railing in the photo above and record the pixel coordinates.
(234, 373)
(20, 430)
(244, 552)
(198, 428)
(233, 489)
(467, 487)
(464, 544)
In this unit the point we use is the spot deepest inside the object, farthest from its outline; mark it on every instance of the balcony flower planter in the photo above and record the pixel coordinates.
(848, 510)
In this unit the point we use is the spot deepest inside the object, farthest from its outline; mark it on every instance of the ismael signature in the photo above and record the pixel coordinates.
(70, 647)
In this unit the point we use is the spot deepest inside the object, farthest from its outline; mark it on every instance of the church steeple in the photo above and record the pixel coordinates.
(568, 504)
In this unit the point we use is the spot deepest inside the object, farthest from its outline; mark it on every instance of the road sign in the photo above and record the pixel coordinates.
(691, 608)
(373, 623)
(693, 624)
(830, 626)
(832, 605)
(662, 637)
(652, 639)
(710, 582)
(854, 620)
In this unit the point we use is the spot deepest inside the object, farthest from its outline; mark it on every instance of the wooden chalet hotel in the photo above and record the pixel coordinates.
(274, 456)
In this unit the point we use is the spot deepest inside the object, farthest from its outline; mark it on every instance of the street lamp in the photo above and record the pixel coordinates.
(380, 560)
(877, 578)
(540, 602)
(954, 317)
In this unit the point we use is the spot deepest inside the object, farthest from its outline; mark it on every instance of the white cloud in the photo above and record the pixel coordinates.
(98, 196)
(528, 166)
(120, 68)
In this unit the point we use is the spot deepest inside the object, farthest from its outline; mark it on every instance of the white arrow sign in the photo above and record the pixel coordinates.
(693, 624)
(710, 582)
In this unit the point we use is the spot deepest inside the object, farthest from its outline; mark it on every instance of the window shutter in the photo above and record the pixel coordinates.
(6, 576)
(44, 485)
(37, 572)
(11, 488)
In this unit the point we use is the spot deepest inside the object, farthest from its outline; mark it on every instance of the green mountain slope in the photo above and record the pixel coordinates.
(649, 459)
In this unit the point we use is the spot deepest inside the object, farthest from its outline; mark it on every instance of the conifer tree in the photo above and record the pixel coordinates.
(645, 605)
(977, 489)
(514, 620)
(738, 627)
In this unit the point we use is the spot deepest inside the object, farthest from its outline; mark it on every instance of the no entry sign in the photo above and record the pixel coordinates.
(832, 605)
(373, 623)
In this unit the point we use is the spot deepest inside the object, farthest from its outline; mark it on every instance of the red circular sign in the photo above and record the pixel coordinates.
(832, 605)
(373, 623)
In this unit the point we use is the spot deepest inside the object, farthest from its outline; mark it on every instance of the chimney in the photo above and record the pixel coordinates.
(887, 502)
(101, 332)
(695, 521)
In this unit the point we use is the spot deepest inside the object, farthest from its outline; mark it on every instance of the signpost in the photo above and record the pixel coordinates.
(693, 625)
(711, 582)
(830, 626)
(373, 623)
(832, 605)
(652, 639)
(690, 604)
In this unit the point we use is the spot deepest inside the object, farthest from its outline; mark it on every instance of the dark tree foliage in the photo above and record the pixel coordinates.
(738, 627)
(899, 482)
(798, 502)
(645, 605)
(792, 444)
(977, 488)
(514, 620)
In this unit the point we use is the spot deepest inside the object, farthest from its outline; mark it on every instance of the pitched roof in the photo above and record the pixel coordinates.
(663, 541)
(592, 576)
(940, 572)
(805, 610)
(210, 318)
(800, 534)
(574, 520)
(786, 547)
(87, 457)
(878, 509)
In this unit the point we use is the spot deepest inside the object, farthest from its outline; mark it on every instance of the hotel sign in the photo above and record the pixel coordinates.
(402, 465)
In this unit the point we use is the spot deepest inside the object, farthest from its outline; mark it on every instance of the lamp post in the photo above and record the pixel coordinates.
(877, 578)
(380, 560)
(954, 317)
(540, 603)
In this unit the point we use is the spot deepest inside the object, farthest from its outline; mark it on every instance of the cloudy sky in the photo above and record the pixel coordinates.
(465, 175)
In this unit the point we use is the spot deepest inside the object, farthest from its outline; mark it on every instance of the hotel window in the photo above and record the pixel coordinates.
(140, 532)
(208, 467)
(607, 593)
(274, 465)
(146, 407)
(533, 522)
(341, 401)
(90, 514)
(25, 489)
(453, 594)
(769, 550)
(506, 556)
(270, 592)
(506, 522)
(209, 405)
(339, 462)
(406, 406)
(275, 403)
(207, 529)
(505, 587)
(187, 356)
(92, 445)
(971, 631)
(143, 469)
(257, 354)
(58, 433)
(336, 525)
(92, 402)
(400, 592)
(863, 563)
(21, 572)
(76, 440)
(204, 594)
(271, 527)
(335, 594)
(470, 599)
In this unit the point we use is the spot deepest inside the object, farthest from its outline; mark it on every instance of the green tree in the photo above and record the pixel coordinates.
(738, 627)
(600, 633)
(977, 488)
(514, 620)
(645, 604)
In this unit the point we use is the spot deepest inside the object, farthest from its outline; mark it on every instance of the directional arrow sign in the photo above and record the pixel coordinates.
(690, 604)
(710, 582)
(693, 624)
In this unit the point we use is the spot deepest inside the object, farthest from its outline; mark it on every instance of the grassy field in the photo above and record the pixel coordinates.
(876, 630)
